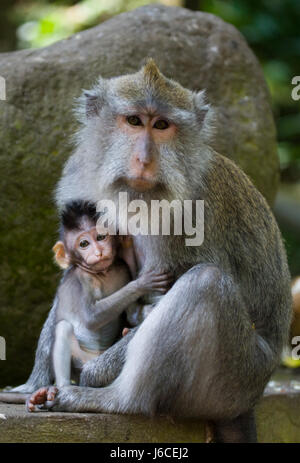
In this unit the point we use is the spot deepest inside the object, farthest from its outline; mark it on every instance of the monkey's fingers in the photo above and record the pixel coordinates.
(51, 396)
(164, 276)
(162, 283)
(42, 398)
(125, 331)
(52, 392)
(162, 289)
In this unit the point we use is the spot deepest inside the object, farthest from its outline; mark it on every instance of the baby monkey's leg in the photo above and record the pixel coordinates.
(80, 356)
(62, 353)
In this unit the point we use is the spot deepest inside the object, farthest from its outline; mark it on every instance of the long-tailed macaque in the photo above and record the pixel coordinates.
(210, 345)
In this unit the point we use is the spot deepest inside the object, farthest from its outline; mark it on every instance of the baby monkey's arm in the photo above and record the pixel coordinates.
(105, 310)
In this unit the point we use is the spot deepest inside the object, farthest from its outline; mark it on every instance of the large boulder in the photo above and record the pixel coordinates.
(197, 49)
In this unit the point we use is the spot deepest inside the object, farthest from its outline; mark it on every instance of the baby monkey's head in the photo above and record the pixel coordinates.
(80, 243)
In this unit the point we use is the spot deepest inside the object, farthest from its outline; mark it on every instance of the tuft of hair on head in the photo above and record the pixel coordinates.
(163, 87)
(75, 211)
(152, 74)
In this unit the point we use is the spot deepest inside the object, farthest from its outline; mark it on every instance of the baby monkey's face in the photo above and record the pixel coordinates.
(85, 247)
(97, 251)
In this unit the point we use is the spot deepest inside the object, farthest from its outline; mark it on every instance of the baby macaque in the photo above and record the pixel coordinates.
(96, 288)
(94, 291)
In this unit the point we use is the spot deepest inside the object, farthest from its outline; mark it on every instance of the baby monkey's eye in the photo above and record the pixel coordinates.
(134, 120)
(84, 243)
(161, 124)
(101, 237)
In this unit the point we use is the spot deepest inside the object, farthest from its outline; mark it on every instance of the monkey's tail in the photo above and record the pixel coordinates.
(14, 397)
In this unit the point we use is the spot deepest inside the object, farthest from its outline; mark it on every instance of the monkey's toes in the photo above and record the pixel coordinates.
(125, 331)
(43, 396)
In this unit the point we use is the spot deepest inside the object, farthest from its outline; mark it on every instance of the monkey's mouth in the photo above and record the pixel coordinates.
(104, 264)
(140, 184)
(101, 266)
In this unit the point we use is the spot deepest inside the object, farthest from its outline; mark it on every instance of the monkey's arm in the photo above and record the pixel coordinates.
(105, 310)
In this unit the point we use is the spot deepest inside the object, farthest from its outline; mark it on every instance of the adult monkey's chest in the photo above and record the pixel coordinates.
(161, 252)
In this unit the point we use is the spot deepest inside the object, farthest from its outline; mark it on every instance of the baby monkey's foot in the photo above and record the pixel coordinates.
(42, 398)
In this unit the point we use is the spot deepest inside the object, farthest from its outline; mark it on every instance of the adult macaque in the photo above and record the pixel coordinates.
(212, 342)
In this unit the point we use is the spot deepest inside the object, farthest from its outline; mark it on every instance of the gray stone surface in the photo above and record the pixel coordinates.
(197, 49)
(16, 425)
(278, 420)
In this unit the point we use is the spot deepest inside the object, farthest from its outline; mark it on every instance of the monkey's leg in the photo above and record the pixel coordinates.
(239, 430)
(62, 353)
(195, 355)
(105, 368)
(42, 373)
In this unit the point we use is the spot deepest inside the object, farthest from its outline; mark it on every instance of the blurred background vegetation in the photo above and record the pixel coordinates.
(271, 27)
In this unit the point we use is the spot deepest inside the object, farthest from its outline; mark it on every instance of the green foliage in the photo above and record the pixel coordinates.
(271, 27)
(45, 22)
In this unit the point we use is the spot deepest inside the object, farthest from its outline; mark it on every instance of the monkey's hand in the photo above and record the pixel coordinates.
(153, 281)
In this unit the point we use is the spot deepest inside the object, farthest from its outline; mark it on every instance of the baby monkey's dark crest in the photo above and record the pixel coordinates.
(75, 211)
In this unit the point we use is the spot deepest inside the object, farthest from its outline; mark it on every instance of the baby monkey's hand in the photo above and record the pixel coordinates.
(154, 281)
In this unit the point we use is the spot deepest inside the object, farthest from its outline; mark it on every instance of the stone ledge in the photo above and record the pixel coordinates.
(278, 420)
(20, 426)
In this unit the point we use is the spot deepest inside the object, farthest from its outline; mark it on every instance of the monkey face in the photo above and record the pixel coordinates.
(145, 132)
(86, 247)
(96, 251)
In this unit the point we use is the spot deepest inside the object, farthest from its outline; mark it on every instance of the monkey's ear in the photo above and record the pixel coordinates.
(61, 257)
(94, 98)
(201, 106)
(91, 104)
(206, 117)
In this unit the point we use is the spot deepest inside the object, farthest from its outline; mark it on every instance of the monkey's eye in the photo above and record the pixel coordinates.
(101, 237)
(134, 120)
(161, 124)
(84, 244)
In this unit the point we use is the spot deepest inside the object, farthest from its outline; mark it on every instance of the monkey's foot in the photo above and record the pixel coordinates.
(42, 398)
(26, 388)
(64, 399)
